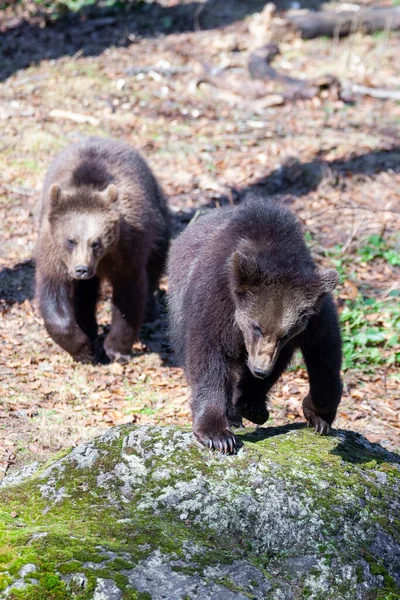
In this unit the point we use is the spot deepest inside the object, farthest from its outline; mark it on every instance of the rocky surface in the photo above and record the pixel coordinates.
(144, 513)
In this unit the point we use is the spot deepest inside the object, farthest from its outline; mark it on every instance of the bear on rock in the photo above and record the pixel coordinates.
(244, 294)
(102, 216)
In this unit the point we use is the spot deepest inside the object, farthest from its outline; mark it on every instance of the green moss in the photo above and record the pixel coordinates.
(5, 581)
(73, 566)
(135, 595)
(119, 563)
(6, 556)
(32, 592)
(84, 529)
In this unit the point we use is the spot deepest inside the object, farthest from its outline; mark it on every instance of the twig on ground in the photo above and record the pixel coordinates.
(363, 90)
(10, 461)
(155, 69)
(20, 191)
(77, 117)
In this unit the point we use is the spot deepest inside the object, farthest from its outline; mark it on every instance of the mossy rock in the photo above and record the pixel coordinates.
(146, 513)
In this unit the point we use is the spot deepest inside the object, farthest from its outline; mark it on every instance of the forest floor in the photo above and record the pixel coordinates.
(132, 76)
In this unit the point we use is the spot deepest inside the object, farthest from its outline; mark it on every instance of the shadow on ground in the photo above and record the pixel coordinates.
(17, 284)
(295, 178)
(155, 334)
(360, 451)
(26, 42)
(263, 433)
(356, 449)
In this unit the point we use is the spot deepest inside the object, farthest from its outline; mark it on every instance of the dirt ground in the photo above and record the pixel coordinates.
(133, 77)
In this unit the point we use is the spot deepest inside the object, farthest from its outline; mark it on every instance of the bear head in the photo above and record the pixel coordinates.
(273, 304)
(84, 226)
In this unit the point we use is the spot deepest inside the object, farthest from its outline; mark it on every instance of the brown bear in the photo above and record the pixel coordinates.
(102, 215)
(244, 294)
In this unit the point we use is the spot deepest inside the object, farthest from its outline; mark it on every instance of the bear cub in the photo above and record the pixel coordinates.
(244, 294)
(102, 215)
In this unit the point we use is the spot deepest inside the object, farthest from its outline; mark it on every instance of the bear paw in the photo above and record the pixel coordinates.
(85, 355)
(316, 420)
(114, 353)
(223, 440)
(117, 356)
(320, 426)
(235, 420)
(256, 414)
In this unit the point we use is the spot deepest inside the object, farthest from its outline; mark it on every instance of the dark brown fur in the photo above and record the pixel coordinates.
(102, 215)
(244, 293)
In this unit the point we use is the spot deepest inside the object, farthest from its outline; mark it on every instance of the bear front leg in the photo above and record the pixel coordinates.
(85, 301)
(210, 423)
(56, 303)
(322, 351)
(211, 391)
(128, 304)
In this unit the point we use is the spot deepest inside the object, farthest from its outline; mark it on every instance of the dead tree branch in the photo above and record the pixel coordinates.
(340, 24)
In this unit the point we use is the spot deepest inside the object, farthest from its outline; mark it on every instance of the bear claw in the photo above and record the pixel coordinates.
(321, 426)
(224, 441)
(117, 356)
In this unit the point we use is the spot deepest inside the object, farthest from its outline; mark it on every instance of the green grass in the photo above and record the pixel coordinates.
(377, 247)
(370, 324)
(375, 342)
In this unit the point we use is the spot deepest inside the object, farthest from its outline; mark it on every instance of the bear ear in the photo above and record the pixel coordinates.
(245, 269)
(110, 195)
(328, 280)
(55, 195)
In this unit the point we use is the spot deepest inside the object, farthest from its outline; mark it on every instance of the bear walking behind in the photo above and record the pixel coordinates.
(244, 294)
(102, 215)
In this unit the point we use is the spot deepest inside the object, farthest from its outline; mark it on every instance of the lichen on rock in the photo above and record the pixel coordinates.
(145, 513)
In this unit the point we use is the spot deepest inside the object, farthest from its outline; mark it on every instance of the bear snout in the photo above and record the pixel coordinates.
(83, 272)
(261, 373)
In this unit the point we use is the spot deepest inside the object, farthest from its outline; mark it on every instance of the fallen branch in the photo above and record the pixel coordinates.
(228, 81)
(383, 94)
(293, 88)
(77, 117)
(266, 83)
(155, 69)
(341, 24)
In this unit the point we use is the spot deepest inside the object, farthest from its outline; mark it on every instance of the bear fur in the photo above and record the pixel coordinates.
(102, 216)
(244, 294)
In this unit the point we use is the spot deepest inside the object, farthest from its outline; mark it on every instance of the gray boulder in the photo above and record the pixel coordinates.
(145, 513)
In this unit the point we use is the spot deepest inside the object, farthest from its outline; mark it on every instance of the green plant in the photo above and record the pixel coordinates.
(370, 326)
(370, 332)
(377, 247)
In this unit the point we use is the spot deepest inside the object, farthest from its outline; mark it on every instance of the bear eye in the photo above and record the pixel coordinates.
(305, 316)
(96, 245)
(71, 243)
(257, 330)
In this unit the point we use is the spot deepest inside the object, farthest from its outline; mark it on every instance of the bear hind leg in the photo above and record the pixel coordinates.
(251, 392)
(155, 268)
(250, 399)
(128, 305)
